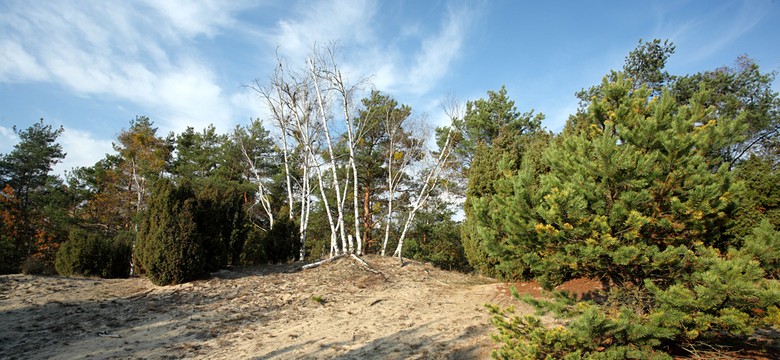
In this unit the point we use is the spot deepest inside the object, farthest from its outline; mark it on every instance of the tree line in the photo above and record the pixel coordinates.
(322, 175)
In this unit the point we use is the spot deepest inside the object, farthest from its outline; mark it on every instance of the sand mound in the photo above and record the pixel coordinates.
(338, 310)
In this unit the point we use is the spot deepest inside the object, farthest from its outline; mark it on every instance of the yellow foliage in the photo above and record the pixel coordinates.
(710, 123)
(773, 316)
(692, 334)
(545, 229)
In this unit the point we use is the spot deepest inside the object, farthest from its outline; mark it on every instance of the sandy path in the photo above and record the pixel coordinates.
(410, 312)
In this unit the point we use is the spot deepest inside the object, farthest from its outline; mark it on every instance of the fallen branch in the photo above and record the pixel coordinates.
(366, 266)
(318, 263)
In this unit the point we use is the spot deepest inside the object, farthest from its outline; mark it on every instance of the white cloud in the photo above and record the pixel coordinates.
(17, 63)
(412, 61)
(193, 99)
(121, 50)
(347, 21)
(438, 51)
(145, 54)
(192, 18)
(81, 149)
(8, 139)
(251, 105)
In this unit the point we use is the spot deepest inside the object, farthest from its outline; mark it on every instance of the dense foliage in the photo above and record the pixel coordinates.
(93, 253)
(32, 202)
(169, 248)
(492, 130)
(435, 238)
(190, 231)
(640, 192)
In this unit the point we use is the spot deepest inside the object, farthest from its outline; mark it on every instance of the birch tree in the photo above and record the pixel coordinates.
(385, 152)
(250, 142)
(288, 97)
(332, 75)
(277, 103)
(313, 67)
(432, 177)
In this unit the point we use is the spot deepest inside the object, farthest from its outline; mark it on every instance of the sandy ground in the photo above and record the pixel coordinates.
(336, 311)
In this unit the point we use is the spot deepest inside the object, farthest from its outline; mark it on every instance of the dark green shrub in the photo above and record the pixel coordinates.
(169, 248)
(281, 243)
(278, 245)
(220, 220)
(435, 238)
(90, 253)
(726, 296)
(190, 231)
(35, 265)
(253, 252)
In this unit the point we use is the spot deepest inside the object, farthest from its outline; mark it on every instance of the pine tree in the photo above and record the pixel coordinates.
(493, 132)
(33, 198)
(633, 197)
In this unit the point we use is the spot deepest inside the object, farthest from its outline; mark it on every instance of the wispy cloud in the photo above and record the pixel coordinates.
(8, 139)
(129, 51)
(193, 18)
(16, 64)
(438, 51)
(415, 68)
(708, 34)
(82, 149)
(347, 21)
(147, 54)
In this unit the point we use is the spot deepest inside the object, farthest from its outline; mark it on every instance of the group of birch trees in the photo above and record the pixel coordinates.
(335, 168)
(353, 161)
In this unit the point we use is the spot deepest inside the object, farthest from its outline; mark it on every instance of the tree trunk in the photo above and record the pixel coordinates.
(303, 229)
(262, 198)
(368, 223)
(425, 192)
(324, 118)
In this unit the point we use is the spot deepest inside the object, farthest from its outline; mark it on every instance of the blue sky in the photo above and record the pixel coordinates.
(92, 66)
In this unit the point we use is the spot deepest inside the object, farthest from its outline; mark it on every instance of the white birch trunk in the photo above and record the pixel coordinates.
(334, 251)
(394, 178)
(339, 82)
(391, 185)
(303, 125)
(305, 209)
(287, 177)
(277, 106)
(262, 198)
(425, 191)
(323, 116)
